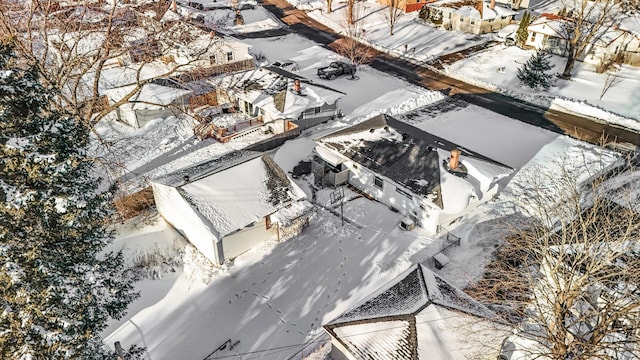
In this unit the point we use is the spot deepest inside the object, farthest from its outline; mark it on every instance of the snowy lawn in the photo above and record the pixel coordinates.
(276, 295)
(498, 66)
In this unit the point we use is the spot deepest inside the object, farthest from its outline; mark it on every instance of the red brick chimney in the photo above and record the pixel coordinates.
(493, 4)
(174, 6)
(454, 159)
(296, 85)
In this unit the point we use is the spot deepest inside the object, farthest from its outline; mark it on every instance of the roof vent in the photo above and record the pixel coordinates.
(185, 178)
(386, 128)
(372, 130)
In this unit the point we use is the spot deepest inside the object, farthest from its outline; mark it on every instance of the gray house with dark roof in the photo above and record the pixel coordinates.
(227, 205)
(418, 315)
(407, 169)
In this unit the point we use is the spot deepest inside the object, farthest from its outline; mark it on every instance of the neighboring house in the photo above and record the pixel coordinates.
(515, 4)
(271, 94)
(406, 5)
(548, 33)
(472, 16)
(152, 101)
(418, 315)
(199, 53)
(409, 170)
(227, 205)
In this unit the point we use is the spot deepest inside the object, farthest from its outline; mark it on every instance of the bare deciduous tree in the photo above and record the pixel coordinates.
(587, 22)
(395, 10)
(74, 46)
(350, 46)
(569, 278)
(329, 3)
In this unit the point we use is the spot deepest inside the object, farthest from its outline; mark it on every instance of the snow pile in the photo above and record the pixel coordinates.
(595, 113)
(198, 267)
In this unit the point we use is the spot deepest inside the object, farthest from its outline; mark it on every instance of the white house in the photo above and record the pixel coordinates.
(272, 93)
(227, 205)
(152, 101)
(472, 16)
(549, 32)
(409, 170)
(418, 315)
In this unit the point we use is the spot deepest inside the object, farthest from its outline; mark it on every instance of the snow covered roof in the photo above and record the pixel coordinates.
(552, 25)
(470, 9)
(149, 96)
(416, 316)
(261, 87)
(413, 158)
(234, 190)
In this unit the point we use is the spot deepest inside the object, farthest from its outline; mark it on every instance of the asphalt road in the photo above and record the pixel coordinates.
(579, 127)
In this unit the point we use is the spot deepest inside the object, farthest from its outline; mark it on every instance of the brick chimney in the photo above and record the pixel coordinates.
(493, 4)
(296, 85)
(454, 159)
(479, 5)
(174, 6)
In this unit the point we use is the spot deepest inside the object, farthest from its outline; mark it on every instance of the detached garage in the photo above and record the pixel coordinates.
(227, 205)
(152, 101)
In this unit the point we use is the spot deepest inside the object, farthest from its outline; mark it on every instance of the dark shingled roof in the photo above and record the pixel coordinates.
(414, 158)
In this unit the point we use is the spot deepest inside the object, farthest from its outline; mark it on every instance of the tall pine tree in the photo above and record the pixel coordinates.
(534, 72)
(58, 287)
(523, 29)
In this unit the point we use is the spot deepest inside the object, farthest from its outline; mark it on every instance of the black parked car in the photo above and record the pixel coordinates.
(335, 69)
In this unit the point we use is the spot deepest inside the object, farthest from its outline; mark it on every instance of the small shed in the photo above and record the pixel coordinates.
(151, 101)
(227, 205)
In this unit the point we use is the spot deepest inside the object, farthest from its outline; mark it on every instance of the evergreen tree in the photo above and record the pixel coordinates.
(58, 287)
(522, 34)
(534, 72)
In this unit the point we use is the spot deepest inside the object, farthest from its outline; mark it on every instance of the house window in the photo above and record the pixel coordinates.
(461, 19)
(472, 22)
(229, 56)
(317, 110)
(533, 37)
(448, 15)
(404, 193)
(377, 182)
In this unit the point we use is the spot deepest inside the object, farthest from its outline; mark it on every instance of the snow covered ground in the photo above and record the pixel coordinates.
(619, 105)
(272, 301)
(497, 68)
(160, 146)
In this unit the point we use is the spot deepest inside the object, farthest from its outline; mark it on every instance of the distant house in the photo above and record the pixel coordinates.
(152, 101)
(471, 16)
(407, 5)
(549, 32)
(409, 170)
(197, 52)
(227, 205)
(270, 94)
(515, 4)
(418, 315)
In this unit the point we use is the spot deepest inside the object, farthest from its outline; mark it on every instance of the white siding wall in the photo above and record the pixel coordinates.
(177, 212)
(363, 179)
(243, 240)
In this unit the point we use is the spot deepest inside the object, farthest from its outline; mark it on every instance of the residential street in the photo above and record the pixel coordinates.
(576, 126)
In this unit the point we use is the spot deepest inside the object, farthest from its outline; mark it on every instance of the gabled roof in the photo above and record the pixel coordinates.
(408, 318)
(235, 190)
(261, 87)
(470, 9)
(405, 154)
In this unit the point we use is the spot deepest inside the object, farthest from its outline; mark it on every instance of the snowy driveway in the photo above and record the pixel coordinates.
(276, 296)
